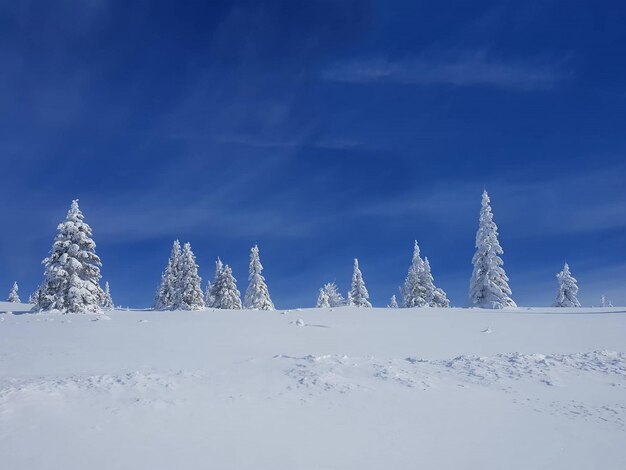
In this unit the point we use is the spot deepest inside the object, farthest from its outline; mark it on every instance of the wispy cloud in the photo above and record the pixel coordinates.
(467, 69)
(565, 204)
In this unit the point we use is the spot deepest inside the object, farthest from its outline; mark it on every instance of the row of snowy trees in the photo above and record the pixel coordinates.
(358, 296)
(489, 286)
(419, 289)
(180, 287)
(72, 278)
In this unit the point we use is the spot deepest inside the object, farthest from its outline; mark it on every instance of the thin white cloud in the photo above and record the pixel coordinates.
(566, 204)
(468, 69)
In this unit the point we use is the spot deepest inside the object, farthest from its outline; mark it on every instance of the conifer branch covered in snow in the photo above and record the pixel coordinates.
(72, 274)
(566, 295)
(13, 295)
(107, 300)
(257, 295)
(358, 295)
(489, 286)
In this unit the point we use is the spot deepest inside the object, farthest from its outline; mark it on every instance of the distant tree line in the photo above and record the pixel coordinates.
(72, 278)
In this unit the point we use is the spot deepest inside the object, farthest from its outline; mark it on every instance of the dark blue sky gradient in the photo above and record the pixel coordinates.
(321, 130)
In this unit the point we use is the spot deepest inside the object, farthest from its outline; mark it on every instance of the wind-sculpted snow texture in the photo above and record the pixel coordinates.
(340, 388)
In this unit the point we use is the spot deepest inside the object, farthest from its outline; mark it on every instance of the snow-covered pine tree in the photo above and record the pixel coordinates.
(322, 299)
(189, 294)
(72, 274)
(226, 294)
(566, 295)
(167, 291)
(107, 300)
(435, 296)
(257, 295)
(414, 294)
(335, 299)
(489, 286)
(358, 295)
(13, 295)
(393, 302)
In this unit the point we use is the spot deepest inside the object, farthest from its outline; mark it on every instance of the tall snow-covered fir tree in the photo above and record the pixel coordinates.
(393, 302)
(13, 295)
(489, 286)
(414, 293)
(168, 289)
(322, 299)
(72, 274)
(358, 295)
(107, 300)
(566, 295)
(257, 295)
(189, 294)
(226, 294)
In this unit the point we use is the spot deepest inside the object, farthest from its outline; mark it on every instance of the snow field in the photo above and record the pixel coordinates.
(346, 388)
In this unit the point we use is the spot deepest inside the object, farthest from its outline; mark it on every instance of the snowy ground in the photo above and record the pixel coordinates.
(348, 389)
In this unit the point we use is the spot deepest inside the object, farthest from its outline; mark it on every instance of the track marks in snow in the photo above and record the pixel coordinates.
(343, 373)
(582, 386)
(527, 378)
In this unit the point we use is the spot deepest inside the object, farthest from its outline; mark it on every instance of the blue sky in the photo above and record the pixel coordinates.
(322, 131)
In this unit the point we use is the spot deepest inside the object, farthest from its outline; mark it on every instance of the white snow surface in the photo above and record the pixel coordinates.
(345, 388)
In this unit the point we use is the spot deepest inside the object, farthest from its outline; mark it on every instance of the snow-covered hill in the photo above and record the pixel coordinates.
(314, 389)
